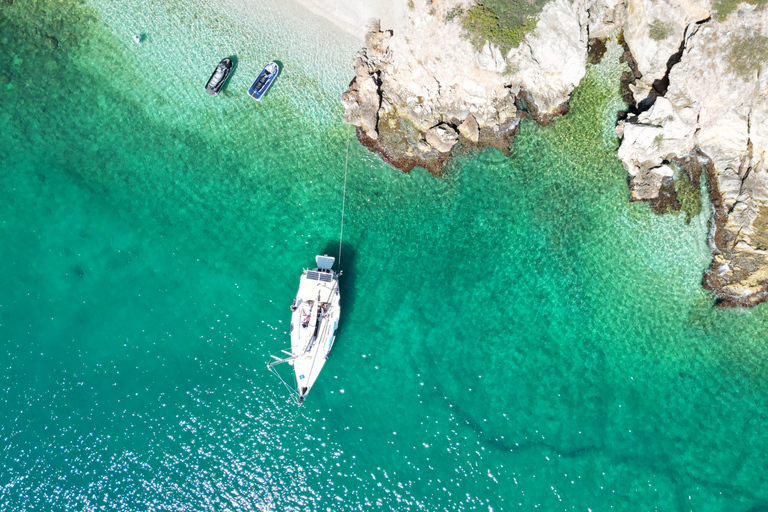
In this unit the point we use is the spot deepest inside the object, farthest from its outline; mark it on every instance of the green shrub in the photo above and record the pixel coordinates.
(725, 7)
(503, 23)
(658, 140)
(747, 53)
(453, 13)
(658, 30)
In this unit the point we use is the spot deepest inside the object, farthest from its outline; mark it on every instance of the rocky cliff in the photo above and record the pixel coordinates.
(714, 110)
(418, 94)
(697, 95)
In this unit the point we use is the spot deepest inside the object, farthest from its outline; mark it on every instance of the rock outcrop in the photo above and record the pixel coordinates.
(650, 141)
(715, 104)
(552, 60)
(697, 88)
(655, 31)
(418, 94)
(442, 137)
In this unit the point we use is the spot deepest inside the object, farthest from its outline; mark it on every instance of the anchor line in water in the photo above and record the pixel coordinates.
(344, 197)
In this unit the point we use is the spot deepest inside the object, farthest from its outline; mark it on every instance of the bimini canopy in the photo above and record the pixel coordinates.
(325, 262)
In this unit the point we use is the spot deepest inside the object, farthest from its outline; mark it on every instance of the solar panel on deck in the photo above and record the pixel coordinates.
(326, 277)
(311, 274)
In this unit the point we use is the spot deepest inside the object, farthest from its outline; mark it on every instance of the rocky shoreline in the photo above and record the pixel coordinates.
(696, 91)
(713, 111)
(417, 95)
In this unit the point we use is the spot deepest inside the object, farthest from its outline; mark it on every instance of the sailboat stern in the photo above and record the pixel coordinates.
(325, 262)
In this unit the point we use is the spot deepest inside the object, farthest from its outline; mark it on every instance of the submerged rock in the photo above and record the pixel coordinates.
(51, 42)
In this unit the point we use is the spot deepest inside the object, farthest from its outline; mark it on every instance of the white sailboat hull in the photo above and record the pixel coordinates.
(307, 366)
(314, 322)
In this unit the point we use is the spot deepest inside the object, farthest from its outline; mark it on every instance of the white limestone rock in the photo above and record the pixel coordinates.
(605, 17)
(654, 31)
(442, 137)
(361, 104)
(491, 58)
(410, 83)
(469, 129)
(649, 139)
(429, 73)
(552, 60)
(709, 105)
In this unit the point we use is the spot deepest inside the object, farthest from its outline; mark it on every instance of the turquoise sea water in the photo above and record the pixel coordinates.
(515, 336)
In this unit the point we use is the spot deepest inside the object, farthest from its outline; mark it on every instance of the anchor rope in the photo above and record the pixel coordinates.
(344, 197)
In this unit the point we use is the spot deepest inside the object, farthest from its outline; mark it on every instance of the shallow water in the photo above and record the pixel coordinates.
(516, 335)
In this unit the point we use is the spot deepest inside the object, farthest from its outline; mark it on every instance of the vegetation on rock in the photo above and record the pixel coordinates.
(503, 23)
(726, 7)
(688, 194)
(747, 53)
(453, 13)
(658, 30)
(760, 230)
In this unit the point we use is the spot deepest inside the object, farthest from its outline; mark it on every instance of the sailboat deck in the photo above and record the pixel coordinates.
(315, 285)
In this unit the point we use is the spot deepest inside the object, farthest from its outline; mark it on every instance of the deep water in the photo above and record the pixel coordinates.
(515, 335)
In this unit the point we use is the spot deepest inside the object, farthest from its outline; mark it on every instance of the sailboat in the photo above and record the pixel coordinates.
(314, 321)
(315, 315)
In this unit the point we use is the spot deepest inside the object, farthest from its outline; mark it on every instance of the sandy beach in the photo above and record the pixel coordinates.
(354, 17)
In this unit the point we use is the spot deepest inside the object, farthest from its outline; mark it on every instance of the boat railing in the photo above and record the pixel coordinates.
(324, 327)
(271, 366)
